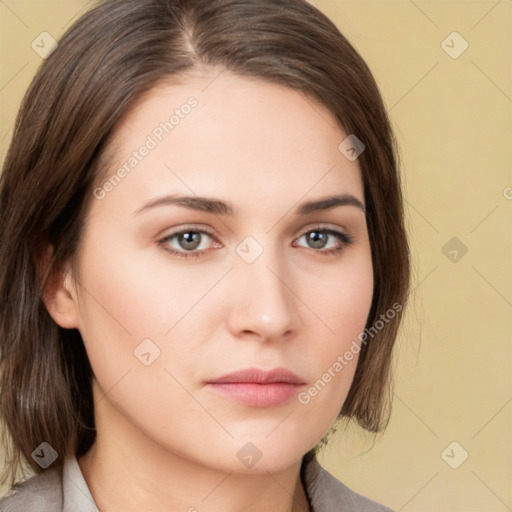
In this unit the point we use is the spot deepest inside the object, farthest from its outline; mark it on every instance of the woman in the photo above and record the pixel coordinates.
(204, 262)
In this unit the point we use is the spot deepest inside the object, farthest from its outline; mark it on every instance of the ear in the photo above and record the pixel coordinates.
(59, 294)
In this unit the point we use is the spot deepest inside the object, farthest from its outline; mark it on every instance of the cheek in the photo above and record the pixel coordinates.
(129, 306)
(343, 307)
(344, 302)
(135, 288)
(131, 296)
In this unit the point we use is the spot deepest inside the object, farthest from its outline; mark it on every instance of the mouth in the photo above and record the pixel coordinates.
(258, 388)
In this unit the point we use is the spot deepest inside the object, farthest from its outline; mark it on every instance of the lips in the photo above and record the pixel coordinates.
(258, 388)
(257, 376)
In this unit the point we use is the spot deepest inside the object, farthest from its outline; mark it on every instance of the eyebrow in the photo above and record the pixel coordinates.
(219, 207)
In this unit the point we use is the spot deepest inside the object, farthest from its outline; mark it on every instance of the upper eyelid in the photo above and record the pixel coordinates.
(188, 229)
(199, 228)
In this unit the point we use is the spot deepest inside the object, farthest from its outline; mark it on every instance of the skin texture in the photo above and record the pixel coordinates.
(166, 441)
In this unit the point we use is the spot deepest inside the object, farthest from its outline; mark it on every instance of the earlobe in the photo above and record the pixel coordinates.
(59, 293)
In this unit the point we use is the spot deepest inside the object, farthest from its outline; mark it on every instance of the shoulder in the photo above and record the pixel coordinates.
(40, 493)
(52, 491)
(328, 494)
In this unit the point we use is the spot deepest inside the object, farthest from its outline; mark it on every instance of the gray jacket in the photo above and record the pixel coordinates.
(45, 492)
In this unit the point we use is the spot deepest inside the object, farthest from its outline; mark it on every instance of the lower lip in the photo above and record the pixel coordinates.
(258, 395)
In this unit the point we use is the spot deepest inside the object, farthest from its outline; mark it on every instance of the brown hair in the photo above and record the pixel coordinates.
(106, 62)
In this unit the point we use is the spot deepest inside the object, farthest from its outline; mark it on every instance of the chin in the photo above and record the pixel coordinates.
(263, 453)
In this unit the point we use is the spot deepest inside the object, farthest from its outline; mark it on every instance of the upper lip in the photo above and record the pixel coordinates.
(258, 376)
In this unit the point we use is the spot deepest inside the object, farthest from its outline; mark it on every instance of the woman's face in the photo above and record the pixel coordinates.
(257, 279)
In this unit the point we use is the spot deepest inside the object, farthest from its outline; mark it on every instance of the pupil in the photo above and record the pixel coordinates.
(189, 240)
(317, 238)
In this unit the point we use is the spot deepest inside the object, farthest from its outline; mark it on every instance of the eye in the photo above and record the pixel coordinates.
(319, 237)
(188, 242)
(192, 243)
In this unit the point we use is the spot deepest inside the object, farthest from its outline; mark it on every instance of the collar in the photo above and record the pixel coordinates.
(76, 495)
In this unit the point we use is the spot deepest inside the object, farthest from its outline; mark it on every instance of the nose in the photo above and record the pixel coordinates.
(263, 303)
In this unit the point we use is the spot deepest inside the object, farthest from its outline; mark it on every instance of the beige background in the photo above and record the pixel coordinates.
(453, 120)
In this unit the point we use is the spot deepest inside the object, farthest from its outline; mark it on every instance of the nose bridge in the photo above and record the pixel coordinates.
(264, 302)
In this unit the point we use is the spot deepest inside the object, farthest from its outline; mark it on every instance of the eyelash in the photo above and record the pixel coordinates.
(345, 239)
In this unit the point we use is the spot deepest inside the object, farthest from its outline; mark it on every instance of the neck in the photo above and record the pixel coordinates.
(125, 471)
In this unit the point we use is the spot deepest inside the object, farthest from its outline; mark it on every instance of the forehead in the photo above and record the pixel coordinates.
(228, 135)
